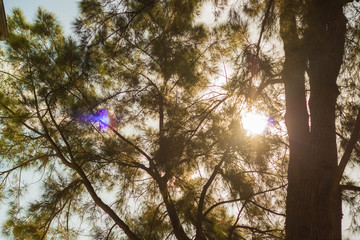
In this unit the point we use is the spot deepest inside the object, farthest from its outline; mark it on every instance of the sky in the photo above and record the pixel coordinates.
(64, 10)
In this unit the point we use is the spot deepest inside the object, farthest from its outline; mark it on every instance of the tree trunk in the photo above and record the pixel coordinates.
(314, 201)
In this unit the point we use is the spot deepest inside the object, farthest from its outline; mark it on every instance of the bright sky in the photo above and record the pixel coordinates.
(65, 10)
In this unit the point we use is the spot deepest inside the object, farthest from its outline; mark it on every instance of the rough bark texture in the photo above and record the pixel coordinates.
(314, 200)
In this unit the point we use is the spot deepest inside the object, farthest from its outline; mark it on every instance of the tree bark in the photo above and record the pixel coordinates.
(314, 201)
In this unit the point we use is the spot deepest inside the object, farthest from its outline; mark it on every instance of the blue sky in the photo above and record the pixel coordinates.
(65, 10)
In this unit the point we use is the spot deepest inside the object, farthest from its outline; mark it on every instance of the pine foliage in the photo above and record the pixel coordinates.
(175, 162)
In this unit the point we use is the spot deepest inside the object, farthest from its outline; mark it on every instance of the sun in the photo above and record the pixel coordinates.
(254, 123)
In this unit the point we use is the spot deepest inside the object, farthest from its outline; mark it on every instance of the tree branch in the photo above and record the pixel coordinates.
(110, 230)
(265, 84)
(55, 213)
(127, 141)
(202, 120)
(131, 235)
(60, 131)
(263, 26)
(267, 209)
(203, 195)
(239, 199)
(344, 2)
(349, 148)
(98, 201)
(171, 209)
(231, 233)
(22, 122)
(26, 162)
(350, 188)
(253, 229)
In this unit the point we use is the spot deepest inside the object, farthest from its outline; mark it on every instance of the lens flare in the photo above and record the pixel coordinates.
(102, 118)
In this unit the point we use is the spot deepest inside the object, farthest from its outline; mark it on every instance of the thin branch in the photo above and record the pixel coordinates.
(237, 220)
(194, 131)
(267, 13)
(110, 230)
(349, 148)
(26, 162)
(12, 75)
(22, 122)
(241, 198)
(54, 213)
(51, 218)
(98, 201)
(256, 230)
(128, 141)
(350, 188)
(203, 194)
(86, 181)
(265, 84)
(153, 220)
(344, 2)
(60, 131)
(267, 209)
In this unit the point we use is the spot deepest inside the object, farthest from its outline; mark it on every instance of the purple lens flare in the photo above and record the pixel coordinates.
(271, 121)
(101, 118)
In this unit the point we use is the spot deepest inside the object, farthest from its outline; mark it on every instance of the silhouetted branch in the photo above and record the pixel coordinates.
(232, 229)
(26, 162)
(130, 234)
(257, 230)
(110, 230)
(350, 188)
(349, 148)
(203, 194)
(263, 26)
(344, 2)
(267, 209)
(265, 84)
(239, 199)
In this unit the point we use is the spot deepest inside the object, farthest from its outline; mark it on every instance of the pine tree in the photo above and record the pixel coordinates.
(125, 122)
(126, 126)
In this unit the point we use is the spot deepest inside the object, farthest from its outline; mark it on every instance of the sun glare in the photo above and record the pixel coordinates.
(254, 123)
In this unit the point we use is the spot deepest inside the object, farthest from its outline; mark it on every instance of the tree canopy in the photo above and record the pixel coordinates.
(132, 128)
